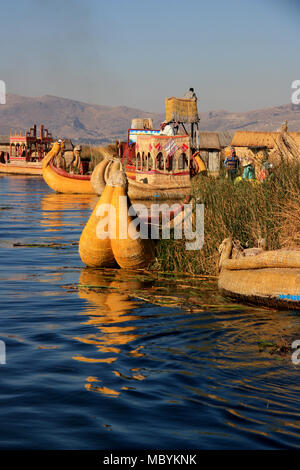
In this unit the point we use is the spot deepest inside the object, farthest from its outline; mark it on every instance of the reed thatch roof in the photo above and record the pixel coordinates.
(209, 140)
(255, 139)
(225, 138)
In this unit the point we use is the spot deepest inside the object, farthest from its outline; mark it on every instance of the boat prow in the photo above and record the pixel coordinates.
(61, 181)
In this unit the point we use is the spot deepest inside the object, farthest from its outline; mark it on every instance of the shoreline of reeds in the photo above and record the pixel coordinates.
(246, 211)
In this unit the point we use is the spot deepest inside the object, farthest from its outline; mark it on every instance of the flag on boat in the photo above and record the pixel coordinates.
(171, 147)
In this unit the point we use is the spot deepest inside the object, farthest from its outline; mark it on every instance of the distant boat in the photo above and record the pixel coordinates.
(24, 152)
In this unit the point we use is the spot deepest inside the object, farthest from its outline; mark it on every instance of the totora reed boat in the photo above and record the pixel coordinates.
(157, 166)
(270, 278)
(60, 180)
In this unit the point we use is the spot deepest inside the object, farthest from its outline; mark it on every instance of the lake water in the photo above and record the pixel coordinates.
(101, 359)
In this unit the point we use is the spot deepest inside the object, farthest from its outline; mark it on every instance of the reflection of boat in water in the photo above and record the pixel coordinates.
(108, 310)
(62, 202)
(271, 278)
(55, 207)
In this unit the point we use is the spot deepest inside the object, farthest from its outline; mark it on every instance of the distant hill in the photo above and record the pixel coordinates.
(100, 124)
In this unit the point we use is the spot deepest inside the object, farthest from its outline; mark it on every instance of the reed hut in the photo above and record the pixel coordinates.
(257, 145)
(210, 151)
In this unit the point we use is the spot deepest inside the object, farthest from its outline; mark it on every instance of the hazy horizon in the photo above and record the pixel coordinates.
(162, 111)
(238, 56)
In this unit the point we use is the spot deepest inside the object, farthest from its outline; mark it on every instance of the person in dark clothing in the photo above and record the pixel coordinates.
(232, 164)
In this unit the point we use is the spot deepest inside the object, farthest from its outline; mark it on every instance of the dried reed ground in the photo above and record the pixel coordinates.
(245, 211)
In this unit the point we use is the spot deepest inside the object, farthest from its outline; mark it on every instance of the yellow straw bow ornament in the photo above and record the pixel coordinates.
(128, 252)
(95, 246)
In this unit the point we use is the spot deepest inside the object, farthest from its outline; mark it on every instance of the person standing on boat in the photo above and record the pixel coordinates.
(190, 95)
(232, 164)
(166, 128)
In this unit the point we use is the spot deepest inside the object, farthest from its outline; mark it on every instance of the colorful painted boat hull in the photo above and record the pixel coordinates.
(62, 182)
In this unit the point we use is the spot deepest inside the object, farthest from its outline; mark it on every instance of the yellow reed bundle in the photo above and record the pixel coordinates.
(52, 153)
(94, 251)
(128, 252)
(266, 283)
(268, 259)
(181, 110)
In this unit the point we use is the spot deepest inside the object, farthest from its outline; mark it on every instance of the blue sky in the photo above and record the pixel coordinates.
(237, 54)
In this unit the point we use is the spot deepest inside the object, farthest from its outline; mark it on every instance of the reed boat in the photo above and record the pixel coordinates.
(168, 186)
(157, 166)
(269, 278)
(22, 152)
(164, 188)
(60, 180)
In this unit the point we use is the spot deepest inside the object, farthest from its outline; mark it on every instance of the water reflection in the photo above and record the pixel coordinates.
(109, 310)
(186, 374)
(55, 209)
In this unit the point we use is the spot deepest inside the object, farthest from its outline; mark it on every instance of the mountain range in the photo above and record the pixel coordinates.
(97, 124)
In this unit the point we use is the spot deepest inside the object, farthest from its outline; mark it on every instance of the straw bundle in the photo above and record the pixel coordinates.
(264, 286)
(128, 252)
(181, 110)
(143, 191)
(266, 278)
(285, 148)
(268, 259)
(284, 258)
(97, 178)
(96, 252)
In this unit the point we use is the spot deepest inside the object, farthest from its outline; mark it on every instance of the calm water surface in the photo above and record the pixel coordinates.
(92, 363)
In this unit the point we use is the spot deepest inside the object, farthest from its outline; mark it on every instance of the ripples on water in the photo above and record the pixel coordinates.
(92, 365)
